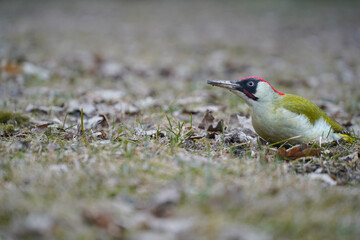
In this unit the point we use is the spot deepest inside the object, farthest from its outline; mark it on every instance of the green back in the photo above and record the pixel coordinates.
(303, 106)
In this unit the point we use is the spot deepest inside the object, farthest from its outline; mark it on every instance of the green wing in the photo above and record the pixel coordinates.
(303, 106)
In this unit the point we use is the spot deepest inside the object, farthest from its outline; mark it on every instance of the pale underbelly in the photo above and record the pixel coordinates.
(290, 126)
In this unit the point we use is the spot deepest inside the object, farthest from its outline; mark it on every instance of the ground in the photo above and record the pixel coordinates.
(108, 129)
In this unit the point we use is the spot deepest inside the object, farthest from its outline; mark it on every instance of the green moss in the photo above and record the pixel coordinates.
(6, 128)
(5, 116)
(13, 118)
(5, 217)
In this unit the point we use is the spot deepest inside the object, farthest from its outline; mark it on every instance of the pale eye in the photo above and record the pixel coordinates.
(250, 84)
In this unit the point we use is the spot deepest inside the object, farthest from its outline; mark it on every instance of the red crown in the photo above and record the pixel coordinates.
(260, 79)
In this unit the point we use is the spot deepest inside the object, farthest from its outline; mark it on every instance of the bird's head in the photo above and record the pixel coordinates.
(252, 90)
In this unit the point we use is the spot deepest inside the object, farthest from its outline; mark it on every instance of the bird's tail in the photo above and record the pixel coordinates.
(347, 137)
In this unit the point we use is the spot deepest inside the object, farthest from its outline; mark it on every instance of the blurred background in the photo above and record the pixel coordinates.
(313, 44)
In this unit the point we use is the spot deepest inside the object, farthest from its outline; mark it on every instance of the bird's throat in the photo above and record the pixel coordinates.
(250, 95)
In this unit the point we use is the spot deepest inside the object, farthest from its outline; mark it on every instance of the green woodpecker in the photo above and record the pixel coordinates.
(278, 117)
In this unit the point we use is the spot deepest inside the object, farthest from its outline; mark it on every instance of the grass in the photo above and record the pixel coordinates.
(10, 118)
(152, 170)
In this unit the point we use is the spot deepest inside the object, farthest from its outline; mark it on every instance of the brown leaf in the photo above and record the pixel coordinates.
(207, 120)
(101, 220)
(45, 125)
(103, 134)
(210, 126)
(11, 69)
(216, 127)
(105, 123)
(105, 221)
(211, 135)
(297, 151)
(197, 136)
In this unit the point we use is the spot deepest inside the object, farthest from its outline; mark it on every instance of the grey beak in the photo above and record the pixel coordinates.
(223, 84)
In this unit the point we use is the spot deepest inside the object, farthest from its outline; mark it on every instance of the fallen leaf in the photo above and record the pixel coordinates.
(207, 120)
(106, 121)
(208, 123)
(105, 221)
(11, 69)
(102, 134)
(216, 127)
(45, 125)
(300, 150)
(210, 126)
(197, 136)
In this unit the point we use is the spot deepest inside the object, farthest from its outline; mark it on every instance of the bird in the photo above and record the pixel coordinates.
(282, 118)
